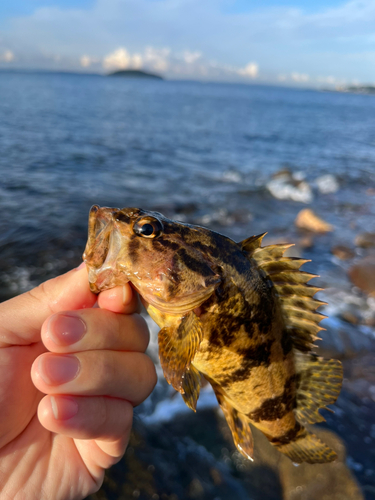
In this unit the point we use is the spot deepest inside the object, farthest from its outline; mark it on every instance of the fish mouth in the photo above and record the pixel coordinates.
(102, 248)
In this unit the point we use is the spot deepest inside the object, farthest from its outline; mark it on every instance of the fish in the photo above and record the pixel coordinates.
(240, 315)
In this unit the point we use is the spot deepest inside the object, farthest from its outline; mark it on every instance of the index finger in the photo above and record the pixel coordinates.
(121, 299)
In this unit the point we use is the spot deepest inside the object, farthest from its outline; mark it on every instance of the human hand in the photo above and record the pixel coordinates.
(71, 419)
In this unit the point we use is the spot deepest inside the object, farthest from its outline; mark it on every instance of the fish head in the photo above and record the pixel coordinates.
(157, 255)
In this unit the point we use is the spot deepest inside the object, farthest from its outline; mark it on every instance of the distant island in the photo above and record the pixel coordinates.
(357, 89)
(135, 73)
(362, 89)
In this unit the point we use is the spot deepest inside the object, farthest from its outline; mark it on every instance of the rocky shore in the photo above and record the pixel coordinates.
(192, 456)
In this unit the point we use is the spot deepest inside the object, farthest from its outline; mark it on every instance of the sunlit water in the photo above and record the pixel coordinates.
(202, 151)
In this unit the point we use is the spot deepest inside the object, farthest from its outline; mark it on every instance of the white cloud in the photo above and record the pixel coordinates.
(7, 56)
(119, 59)
(250, 70)
(85, 61)
(191, 57)
(300, 77)
(329, 80)
(334, 41)
(152, 58)
(157, 59)
(168, 63)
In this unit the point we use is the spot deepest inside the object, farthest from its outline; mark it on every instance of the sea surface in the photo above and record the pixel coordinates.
(203, 153)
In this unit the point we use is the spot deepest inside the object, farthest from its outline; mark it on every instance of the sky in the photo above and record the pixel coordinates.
(311, 43)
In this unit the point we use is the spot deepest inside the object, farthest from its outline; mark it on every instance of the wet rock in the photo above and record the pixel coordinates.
(362, 274)
(342, 252)
(322, 481)
(308, 220)
(360, 375)
(350, 317)
(365, 240)
(163, 463)
(307, 241)
(327, 184)
(287, 186)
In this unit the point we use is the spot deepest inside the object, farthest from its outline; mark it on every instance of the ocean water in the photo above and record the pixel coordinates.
(202, 153)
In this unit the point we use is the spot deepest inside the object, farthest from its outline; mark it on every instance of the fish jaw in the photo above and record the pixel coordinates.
(102, 250)
(116, 254)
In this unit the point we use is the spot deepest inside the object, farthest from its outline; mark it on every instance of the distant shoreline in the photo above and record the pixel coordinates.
(359, 90)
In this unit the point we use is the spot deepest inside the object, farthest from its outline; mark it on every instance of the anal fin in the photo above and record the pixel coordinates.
(191, 385)
(239, 424)
(177, 347)
(319, 384)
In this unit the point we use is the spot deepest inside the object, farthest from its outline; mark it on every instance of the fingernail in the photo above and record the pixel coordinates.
(81, 266)
(63, 408)
(65, 330)
(56, 370)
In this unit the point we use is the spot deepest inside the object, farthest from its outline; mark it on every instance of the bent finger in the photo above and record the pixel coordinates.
(121, 299)
(125, 375)
(101, 418)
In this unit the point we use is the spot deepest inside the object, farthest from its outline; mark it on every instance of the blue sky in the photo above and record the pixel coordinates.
(297, 42)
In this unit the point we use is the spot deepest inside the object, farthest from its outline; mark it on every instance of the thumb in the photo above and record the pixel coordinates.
(21, 318)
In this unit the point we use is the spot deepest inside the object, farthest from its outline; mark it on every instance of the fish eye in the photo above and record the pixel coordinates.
(148, 227)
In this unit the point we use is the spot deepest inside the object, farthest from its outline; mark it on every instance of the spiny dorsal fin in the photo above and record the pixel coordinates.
(319, 384)
(291, 286)
(252, 243)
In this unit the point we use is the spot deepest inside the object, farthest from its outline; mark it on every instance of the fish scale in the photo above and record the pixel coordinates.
(239, 314)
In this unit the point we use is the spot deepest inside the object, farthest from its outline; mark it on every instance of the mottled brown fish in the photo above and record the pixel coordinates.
(241, 315)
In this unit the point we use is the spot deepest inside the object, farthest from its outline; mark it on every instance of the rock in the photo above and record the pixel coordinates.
(342, 252)
(365, 240)
(307, 241)
(327, 184)
(350, 317)
(193, 457)
(307, 219)
(362, 274)
(287, 186)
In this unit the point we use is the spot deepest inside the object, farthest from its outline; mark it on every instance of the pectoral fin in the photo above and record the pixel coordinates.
(177, 347)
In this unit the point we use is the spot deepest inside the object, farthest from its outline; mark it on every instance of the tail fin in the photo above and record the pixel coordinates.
(306, 447)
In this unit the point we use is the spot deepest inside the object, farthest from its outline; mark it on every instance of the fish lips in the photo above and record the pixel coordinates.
(102, 248)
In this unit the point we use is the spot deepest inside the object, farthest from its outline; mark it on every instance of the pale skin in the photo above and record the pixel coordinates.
(70, 375)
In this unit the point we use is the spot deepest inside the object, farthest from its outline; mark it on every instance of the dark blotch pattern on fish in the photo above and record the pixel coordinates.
(192, 263)
(252, 357)
(133, 248)
(290, 435)
(278, 407)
